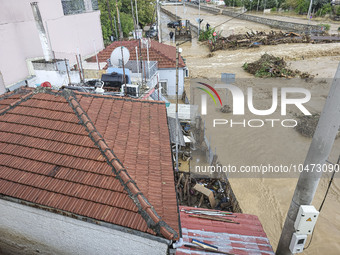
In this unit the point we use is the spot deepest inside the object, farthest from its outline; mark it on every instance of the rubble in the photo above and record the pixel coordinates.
(255, 39)
(307, 124)
(225, 109)
(271, 66)
(209, 193)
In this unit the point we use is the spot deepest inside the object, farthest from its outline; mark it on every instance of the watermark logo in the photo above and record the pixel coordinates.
(280, 97)
(239, 100)
(204, 97)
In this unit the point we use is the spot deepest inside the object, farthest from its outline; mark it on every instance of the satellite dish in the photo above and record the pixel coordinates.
(116, 56)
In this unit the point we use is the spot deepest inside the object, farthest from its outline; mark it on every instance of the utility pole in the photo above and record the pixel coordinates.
(199, 17)
(159, 22)
(318, 153)
(134, 20)
(137, 14)
(177, 63)
(110, 17)
(309, 10)
(119, 25)
(114, 17)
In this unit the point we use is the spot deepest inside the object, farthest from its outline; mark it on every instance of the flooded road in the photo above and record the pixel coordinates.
(269, 198)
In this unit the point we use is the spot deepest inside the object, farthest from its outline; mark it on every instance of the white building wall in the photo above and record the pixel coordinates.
(2, 85)
(170, 76)
(65, 235)
(57, 79)
(19, 39)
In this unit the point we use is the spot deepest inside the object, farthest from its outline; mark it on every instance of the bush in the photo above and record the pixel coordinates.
(326, 27)
(325, 9)
(273, 9)
(302, 7)
(206, 35)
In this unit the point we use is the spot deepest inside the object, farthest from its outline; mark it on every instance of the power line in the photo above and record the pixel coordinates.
(324, 199)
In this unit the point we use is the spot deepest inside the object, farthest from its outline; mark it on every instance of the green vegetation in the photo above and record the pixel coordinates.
(325, 9)
(146, 16)
(319, 7)
(209, 35)
(326, 27)
(271, 66)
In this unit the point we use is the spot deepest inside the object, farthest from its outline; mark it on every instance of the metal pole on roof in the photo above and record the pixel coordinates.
(137, 60)
(95, 51)
(317, 155)
(147, 52)
(177, 58)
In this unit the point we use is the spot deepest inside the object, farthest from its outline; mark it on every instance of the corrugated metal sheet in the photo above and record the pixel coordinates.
(172, 129)
(246, 238)
(185, 111)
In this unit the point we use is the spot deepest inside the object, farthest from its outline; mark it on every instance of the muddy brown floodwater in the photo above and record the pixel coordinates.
(269, 198)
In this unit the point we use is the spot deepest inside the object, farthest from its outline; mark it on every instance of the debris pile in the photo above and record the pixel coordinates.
(271, 66)
(225, 109)
(255, 39)
(211, 215)
(307, 124)
(205, 193)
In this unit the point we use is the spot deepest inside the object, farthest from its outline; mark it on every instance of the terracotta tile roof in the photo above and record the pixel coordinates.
(101, 157)
(164, 54)
(245, 238)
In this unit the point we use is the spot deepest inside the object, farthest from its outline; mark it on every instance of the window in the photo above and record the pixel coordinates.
(78, 6)
(164, 87)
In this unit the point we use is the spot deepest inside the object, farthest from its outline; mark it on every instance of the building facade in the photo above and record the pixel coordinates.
(71, 26)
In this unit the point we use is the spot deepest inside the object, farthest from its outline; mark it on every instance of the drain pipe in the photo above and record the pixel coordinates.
(42, 33)
(178, 244)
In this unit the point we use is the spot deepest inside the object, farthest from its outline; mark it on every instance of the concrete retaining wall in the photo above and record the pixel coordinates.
(284, 25)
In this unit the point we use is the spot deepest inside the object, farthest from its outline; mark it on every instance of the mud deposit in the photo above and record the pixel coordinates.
(269, 198)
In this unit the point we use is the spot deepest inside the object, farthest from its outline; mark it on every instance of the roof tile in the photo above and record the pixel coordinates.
(164, 54)
(47, 157)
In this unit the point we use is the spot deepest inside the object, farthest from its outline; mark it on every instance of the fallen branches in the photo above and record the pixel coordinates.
(271, 66)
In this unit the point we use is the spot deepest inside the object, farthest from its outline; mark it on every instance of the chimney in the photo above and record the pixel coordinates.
(42, 33)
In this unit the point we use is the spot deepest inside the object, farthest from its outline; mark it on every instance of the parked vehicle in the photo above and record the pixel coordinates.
(183, 31)
(173, 24)
(152, 32)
